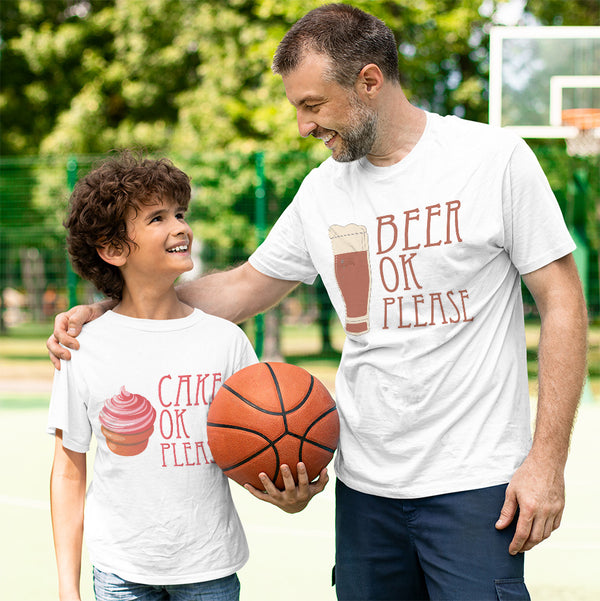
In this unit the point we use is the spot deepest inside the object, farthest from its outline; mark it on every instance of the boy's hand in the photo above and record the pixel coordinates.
(67, 326)
(293, 498)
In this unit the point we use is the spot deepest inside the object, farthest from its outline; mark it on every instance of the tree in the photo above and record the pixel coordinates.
(180, 75)
(192, 79)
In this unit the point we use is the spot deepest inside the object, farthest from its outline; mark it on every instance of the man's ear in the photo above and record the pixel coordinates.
(112, 255)
(370, 80)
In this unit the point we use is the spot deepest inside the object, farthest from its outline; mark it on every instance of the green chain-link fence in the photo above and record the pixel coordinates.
(235, 198)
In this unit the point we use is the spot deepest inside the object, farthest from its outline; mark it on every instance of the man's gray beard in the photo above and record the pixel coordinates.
(360, 137)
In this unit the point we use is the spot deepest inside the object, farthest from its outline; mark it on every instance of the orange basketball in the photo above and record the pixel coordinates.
(270, 414)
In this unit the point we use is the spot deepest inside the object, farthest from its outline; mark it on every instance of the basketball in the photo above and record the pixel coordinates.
(270, 414)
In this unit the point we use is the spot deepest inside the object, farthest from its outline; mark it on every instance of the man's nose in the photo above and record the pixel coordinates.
(305, 125)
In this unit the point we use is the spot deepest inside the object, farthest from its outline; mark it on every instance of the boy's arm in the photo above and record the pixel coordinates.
(67, 497)
(235, 295)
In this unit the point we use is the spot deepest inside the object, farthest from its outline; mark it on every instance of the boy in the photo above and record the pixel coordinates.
(159, 518)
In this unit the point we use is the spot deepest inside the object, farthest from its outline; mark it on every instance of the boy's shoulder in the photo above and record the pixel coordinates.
(111, 323)
(218, 323)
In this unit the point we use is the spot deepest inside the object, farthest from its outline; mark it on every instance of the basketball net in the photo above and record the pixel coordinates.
(587, 142)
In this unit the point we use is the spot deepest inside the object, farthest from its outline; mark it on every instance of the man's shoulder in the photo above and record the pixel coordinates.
(452, 125)
(463, 137)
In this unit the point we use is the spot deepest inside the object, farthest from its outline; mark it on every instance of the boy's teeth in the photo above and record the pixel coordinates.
(178, 249)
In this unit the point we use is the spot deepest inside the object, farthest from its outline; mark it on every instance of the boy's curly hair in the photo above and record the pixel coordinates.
(100, 206)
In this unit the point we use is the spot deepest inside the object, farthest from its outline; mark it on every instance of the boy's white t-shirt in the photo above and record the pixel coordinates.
(165, 515)
(422, 262)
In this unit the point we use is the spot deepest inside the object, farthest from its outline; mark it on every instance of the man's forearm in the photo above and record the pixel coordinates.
(562, 356)
(561, 373)
(237, 294)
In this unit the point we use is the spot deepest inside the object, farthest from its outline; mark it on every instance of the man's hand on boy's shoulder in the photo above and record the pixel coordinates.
(67, 326)
(293, 498)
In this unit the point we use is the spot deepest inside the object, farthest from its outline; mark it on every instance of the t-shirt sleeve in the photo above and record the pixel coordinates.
(535, 230)
(68, 410)
(284, 254)
(246, 355)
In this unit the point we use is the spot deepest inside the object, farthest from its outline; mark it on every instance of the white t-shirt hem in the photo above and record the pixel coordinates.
(169, 579)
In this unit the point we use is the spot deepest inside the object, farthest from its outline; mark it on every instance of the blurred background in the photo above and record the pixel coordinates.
(191, 80)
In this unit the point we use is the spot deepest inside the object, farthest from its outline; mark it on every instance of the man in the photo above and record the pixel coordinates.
(420, 227)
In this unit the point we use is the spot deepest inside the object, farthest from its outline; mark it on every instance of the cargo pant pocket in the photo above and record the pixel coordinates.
(511, 589)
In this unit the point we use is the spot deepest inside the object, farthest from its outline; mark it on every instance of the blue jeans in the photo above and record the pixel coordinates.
(109, 587)
(442, 547)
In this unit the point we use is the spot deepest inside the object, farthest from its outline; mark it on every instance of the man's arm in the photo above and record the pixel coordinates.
(537, 488)
(235, 295)
(67, 498)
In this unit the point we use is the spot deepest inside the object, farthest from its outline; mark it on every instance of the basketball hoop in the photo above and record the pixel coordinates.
(587, 142)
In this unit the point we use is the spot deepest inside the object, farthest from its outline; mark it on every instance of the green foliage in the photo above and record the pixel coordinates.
(192, 79)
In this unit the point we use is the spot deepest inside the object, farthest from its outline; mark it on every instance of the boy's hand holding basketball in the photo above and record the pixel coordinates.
(293, 498)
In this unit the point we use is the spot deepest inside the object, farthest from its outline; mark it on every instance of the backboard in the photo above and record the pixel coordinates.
(538, 73)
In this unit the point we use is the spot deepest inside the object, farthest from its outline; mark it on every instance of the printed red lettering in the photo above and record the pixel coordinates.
(463, 296)
(418, 300)
(436, 296)
(431, 212)
(166, 433)
(200, 446)
(408, 262)
(381, 221)
(160, 395)
(394, 272)
(449, 295)
(453, 207)
(187, 446)
(184, 382)
(407, 221)
(179, 423)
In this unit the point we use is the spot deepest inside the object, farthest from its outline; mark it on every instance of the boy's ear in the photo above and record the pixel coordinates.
(112, 255)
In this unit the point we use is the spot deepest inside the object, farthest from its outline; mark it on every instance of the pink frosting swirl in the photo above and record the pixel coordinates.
(127, 413)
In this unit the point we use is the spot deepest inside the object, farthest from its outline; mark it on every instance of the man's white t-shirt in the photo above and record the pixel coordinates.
(165, 514)
(422, 262)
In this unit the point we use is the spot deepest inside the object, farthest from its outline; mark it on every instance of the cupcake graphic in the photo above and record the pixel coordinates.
(127, 422)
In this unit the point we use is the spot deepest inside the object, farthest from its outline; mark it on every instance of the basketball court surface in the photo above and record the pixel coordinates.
(291, 556)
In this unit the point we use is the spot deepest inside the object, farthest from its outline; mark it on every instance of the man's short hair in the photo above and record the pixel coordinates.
(350, 38)
(101, 204)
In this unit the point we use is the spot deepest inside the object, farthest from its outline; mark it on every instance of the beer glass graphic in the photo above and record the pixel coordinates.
(350, 244)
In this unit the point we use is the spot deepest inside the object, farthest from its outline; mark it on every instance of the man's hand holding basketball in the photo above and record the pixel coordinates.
(67, 326)
(293, 498)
